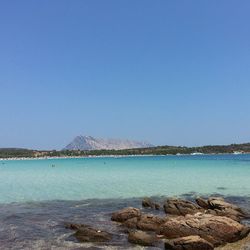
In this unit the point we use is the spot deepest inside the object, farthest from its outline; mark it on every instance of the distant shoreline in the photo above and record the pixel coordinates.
(19, 153)
(110, 156)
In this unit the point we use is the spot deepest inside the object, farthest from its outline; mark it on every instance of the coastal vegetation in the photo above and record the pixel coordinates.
(159, 150)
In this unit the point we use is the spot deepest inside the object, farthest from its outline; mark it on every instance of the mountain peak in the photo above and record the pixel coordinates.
(91, 143)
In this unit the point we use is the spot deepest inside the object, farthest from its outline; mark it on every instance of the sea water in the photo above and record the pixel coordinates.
(38, 196)
(123, 177)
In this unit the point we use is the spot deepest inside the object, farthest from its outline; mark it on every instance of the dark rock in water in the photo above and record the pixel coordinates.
(215, 229)
(142, 238)
(192, 242)
(180, 207)
(74, 226)
(149, 222)
(148, 203)
(85, 233)
(131, 223)
(125, 214)
(202, 203)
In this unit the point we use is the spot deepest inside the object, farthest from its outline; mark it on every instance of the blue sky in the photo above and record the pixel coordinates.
(168, 72)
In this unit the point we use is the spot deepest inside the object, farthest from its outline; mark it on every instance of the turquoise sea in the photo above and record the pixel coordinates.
(38, 196)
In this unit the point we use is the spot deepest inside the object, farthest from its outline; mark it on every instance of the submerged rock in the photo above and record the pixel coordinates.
(215, 229)
(85, 233)
(192, 242)
(125, 214)
(148, 203)
(142, 238)
(181, 207)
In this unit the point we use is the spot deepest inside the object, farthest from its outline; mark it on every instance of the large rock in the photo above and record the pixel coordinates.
(146, 222)
(218, 206)
(131, 223)
(149, 203)
(181, 207)
(215, 229)
(193, 242)
(85, 233)
(220, 203)
(224, 208)
(142, 238)
(125, 214)
(149, 222)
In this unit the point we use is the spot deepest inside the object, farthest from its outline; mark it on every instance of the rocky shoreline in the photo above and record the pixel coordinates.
(208, 224)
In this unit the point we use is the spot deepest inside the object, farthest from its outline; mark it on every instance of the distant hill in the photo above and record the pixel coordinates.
(92, 143)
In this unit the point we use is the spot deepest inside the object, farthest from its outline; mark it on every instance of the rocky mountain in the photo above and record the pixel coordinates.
(92, 143)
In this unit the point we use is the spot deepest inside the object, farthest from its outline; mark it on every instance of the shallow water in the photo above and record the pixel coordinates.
(125, 177)
(40, 225)
(38, 196)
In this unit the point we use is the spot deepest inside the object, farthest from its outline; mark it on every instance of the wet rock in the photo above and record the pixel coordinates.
(202, 203)
(192, 242)
(131, 223)
(148, 203)
(125, 214)
(74, 226)
(85, 233)
(215, 229)
(142, 238)
(181, 207)
(149, 222)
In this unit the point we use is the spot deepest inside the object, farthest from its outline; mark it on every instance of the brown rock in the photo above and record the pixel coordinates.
(218, 206)
(148, 203)
(220, 203)
(85, 233)
(243, 244)
(125, 214)
(215, 229)
(193, 242)
(231, 213)
(142, 238)
(74, 226)
(202, 203)
(131, 223)
(181, 207)
(149, 222)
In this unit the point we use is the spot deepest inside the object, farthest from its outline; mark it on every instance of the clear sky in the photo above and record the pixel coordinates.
(168, 72)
